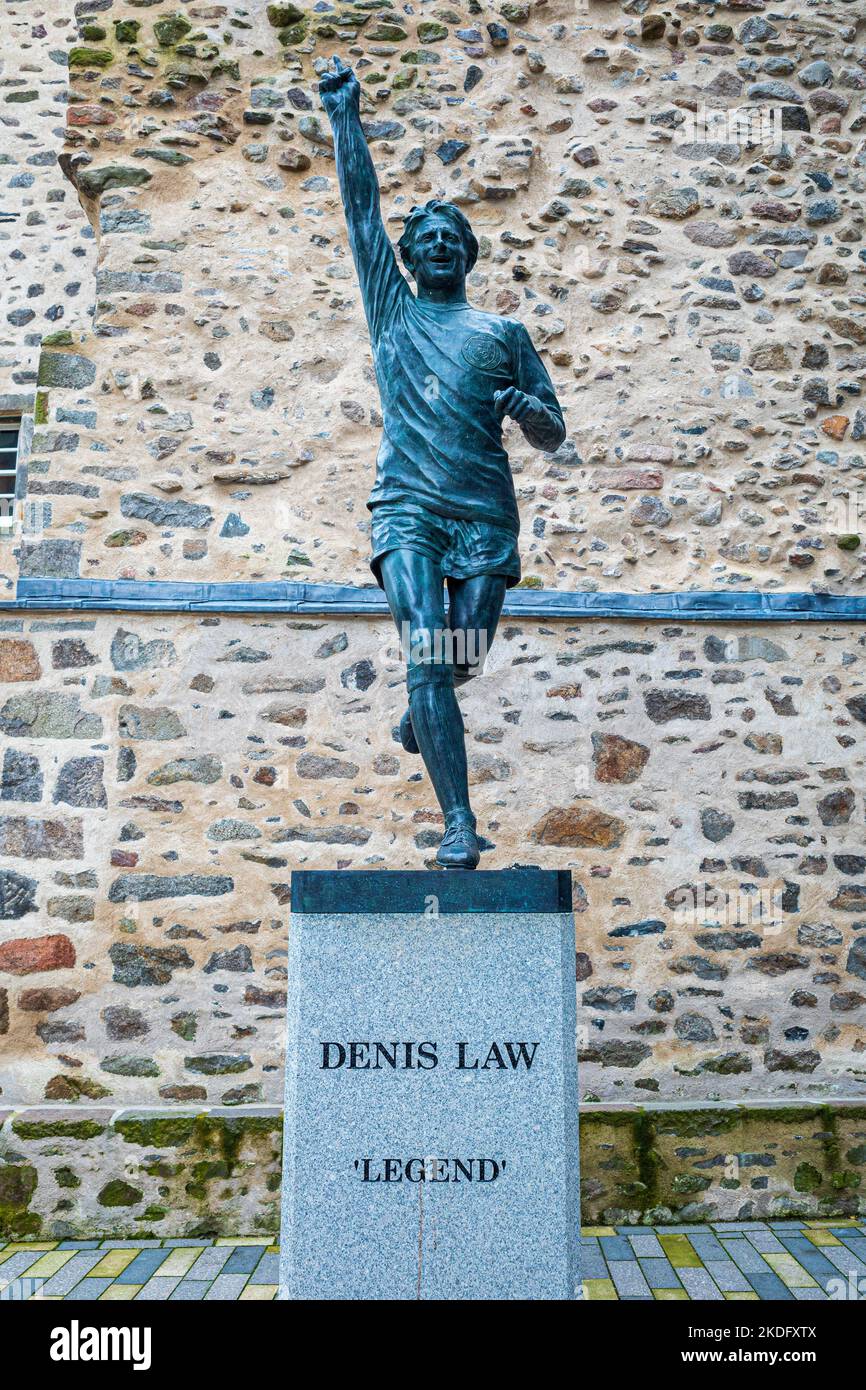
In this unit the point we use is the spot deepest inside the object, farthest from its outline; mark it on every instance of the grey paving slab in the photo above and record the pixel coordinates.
(592, 1266)
(810, 1295)
(699, 1284)
(209, 1263)
(659, 1274)
(735, 1227)
(682, 1230)
(838, 1255)
(766, 1242)
(130, 1244)
(88, 1289)
(143, 1267)
(267, 1271)
(707, 1247)
(616, 1248)
(190, 1291)
(646, 1244)
(228, 1286)
(769, 1286)
(745, 1256)
(628, 1278)
(811, 1258)
(186, 1243)
(72, 1272)
(727, 1276)
(244, 1259)
(15, 1266)
(158, 1289)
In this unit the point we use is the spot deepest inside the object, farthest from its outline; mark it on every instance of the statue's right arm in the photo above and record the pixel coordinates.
(373, 254)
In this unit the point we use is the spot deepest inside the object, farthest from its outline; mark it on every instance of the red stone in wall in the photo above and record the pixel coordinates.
(29, 955)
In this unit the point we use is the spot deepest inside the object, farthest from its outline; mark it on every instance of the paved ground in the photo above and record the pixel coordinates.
(727, 1260)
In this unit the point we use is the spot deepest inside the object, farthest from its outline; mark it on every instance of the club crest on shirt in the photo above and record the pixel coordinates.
(484, 351)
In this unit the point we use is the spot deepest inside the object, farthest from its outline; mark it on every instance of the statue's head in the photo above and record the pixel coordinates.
(438, 246)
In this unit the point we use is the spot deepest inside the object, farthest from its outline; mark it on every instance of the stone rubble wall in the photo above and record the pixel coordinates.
(719, 1163)
(71, 1172)
(700, 304)
(700, 308)
(48, 245)
(163, 777)
(132, 1172)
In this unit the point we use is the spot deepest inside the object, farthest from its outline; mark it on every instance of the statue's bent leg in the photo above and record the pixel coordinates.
(473, 615)
(413, 586)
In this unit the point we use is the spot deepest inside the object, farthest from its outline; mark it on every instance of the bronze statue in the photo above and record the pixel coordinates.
(443, 504)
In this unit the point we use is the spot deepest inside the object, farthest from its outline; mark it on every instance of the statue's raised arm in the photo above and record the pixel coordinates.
(375, 261)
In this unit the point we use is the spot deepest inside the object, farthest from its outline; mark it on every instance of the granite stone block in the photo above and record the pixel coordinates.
(628, 1279)
(158, 1289)
(431, 1093)
(769, 1286)
(190, 1291)
(88, 1290)
(699, 1284)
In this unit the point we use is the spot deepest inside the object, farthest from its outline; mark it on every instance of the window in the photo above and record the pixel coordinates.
(9, 430)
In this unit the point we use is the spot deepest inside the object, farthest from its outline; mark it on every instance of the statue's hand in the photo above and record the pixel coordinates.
(339, 88)
(523, 408)
(539, 425)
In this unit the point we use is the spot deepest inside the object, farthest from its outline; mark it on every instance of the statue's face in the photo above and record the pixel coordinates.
(438, 254)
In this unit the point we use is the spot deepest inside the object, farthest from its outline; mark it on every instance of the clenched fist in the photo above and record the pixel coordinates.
(521, 407)
(539, 425)
(339, 88)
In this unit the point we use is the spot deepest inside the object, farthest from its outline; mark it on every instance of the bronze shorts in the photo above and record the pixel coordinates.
(462, 549)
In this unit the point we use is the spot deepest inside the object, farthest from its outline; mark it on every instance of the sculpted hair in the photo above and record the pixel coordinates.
(418, 215)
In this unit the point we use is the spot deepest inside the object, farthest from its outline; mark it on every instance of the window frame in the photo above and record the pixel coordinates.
(13, 475)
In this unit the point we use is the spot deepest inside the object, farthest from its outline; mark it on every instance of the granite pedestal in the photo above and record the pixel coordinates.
(431, 1087)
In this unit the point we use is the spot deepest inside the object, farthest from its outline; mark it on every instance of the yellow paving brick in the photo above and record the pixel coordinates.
(789, 1271)
(120, 1293)
(180, 1260)
(670, 1294)
(245, 1240)
(599, 1289)
(49, 1263)
(843, 1221)
(820, 1238)
(272, 1250)
(6, 1255)
(30, 1245)
(680, 1252)
(598, 1231)
(743, 1297)
(113, 1262)
(258, 1293)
